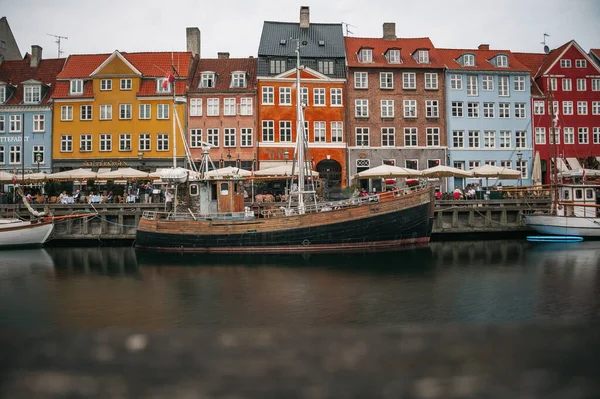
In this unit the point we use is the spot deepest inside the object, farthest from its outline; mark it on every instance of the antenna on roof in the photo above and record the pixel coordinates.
(58, 39)
(546, 48)
(348, 31)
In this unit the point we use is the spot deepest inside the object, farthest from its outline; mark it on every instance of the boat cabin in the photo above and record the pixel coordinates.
(579, 200)
(214, 197)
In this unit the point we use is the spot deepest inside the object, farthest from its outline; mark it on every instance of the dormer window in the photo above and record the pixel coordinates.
(208, 80)
(365, 55)
(326, 67)
(2, 93)
(502, 61)
(76, 87)
(468, 60)
(277, 66)
(393, 56)
(160, 88)
(423, 56)
(33, 94)
(238, 79)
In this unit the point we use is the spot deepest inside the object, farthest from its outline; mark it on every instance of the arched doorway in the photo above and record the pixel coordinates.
(331, 170)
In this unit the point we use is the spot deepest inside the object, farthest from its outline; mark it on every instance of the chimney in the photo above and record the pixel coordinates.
(36, 56)
(484, 47)
(389, 31)
(304, 17)
(222, 55)
(193, 40)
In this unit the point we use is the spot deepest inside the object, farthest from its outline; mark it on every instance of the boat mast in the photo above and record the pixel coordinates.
(299, 132)
(553, 123)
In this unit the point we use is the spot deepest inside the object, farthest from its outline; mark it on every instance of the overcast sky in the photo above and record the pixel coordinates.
(235, 25)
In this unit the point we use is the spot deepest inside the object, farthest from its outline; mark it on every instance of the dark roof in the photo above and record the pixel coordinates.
(16, 72)
(407, 47)
(223, 67)
(273, 33)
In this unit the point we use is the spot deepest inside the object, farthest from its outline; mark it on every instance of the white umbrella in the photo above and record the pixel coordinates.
(123, 173)
(388, 172)
(496, 171)
(446, 171)
(228, 171)
(33, 177)
(281, 170)
(536, 172)
(75, 174)
(5, 176)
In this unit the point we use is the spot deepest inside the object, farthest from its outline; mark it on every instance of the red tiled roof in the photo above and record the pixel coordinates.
(407, 45)
(223, 67)
(148, 88)
(482, 57)
(532, 61)
(596, 52)
(551, 57)
(17, 71)
(63, 88)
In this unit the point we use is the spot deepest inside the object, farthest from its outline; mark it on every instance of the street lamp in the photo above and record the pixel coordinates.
(38, 159)
(286, 155)
(520, 157)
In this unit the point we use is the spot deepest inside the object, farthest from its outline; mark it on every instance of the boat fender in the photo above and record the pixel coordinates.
(559, 207)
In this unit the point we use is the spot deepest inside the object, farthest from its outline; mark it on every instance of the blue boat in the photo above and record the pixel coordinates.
(554, 238)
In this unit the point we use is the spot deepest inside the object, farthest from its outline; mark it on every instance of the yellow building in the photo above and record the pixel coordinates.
(116, 110)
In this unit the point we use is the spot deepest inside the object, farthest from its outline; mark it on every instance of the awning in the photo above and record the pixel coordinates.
(573, 163)
(560, 164)
(598, 159)
(103, 170)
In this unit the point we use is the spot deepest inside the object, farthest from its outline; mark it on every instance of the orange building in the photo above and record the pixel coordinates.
(113, 110)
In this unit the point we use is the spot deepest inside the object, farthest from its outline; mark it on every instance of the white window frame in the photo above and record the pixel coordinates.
(238, 79)
(539, 108)
(145, 142)
(196, 138)
(66, 143)
(387, 108)
(268, 131)
(285, 131)
(580, 63)
(105, 142)
(431, 81)
(432, 136)
(86, 112)
(229, 106)
(595, 84)
(361, 108)
(596, 135)
(595, 107)
(503, 86)
(432, 109)
(160, 88)
(458, 139)
(76, 87)
(246, 106)
(337, 132)
(213, 136)
(487, 83)
(411, 137)
(319, 132)
(567, 107)
(581, 84)
(519, 83)
(468, 60)
(125, 111)
(319, 97)
(335, 95)
(229, 137)
(285, 95)
(520, 110)
(85, 143)
(162, 111)
(568, 135)
(423, 56)
(386, 80)
(39, 123)
(489, 110)
(106, 84)
(125, 142)
(566, 84)
(105, 112)
(246, 137)
(393, 56)
(582, 108)
(457, 108)
(145, 111)
(15, 123)
(268, 95)
(388, 136)
(195, 107)
(409, 80)
(162, 142)
(125, 84)
(361, 80)
(456, 81)
(15, 154)
(208, 80)
(505, 139)
(520, 139)
(212, 106)
(583, 133)
(565, 63)
(540, 135)
(503, 110)
(473, 139)
(489, 139)
(360, 133)
(502, 61)
(366, 55)
(472, 86)
(66, 113)
(472, 110)
(410, 109)
(32, 94)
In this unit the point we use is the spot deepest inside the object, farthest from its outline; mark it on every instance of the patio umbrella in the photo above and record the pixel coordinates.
(228, 171)
(5, 176)
(33, 177)
(281, 170)
(388, 172)
(123, 174)
(497, 172)
(536, 173)
(75, 174)
(446, 171)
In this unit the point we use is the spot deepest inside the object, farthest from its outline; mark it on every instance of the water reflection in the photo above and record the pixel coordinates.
(460, 282)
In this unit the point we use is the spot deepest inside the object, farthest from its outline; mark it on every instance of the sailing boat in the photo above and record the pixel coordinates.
(209, 214)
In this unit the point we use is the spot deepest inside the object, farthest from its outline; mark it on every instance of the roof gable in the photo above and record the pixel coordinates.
(551, 64)
(409, 47)
(19, 72)
(483, 60)
(223, 68)
(305, 73)
(116, 64)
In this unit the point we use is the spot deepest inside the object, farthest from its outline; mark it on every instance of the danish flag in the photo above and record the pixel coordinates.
(168, 79)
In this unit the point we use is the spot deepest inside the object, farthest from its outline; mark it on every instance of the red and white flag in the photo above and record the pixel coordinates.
(583, 174)
(168, 79)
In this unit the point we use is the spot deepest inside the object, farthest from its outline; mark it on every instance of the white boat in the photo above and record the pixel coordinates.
(18, 233)
(575, 213)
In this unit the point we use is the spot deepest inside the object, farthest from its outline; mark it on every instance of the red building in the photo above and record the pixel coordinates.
(566, 87)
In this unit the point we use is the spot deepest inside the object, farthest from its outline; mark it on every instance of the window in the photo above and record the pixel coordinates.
(212, 107)
(361, 80)
(326, 67)
(565, 63)
(38, 154)
(505, 138)
(555, 138)
(387, 108)
(14, 154)
(105, 142)
(238, 79)
(540, 135)
(596, 134)
(431, 81)
(409, 80)
(554, 106)
(33, 94)
(595, 84)
(388, 137)
(66, 143)
(337, 132)
(580, 63)
(468, 60)
(319, 97)
(457, 109)
(361, 108)
(125, 142)
(582, 108)
(105, 112)
(285, 131)
(246, 106)
(502, 61)
(431, 109)
(504, 110)
(459, 165)
(491, 163)
(566, 84)
(503, 89)
(268, 95)
(506, 164)
(212, 137)
(472, 110)
(39, 123)
(456, 82)
(410, 108)
(538, 107)
(473, 141)
(106, 84)
(520, 139)
(304, 96)
(362, 136)
(362, 164)
(124, 111)
(472, 89)
(162, 111)
(159, 85)
(519, 83)
(567, 107)
(412, 164)
(487, 83)
(2, 93)
(268, 135)
(196, 138)
(15, 123)
(76, 87)
(433, 136)
(207, 80)
(229, 137)
(488, 110)
(410, 137)
(423, 56)
(285, 96)
(520, 110)
(246, 136)
(85, 143)
(195, 107)
(2, 123)
(336, 97)
(386, 80)
(85, 112)
(393, 56)
(552, 83)
(162, 142)
(277, 66)
(320, 132)
(144, 142)
(595, 107)
(144, 111)
(522, 167)
(583, 135)
(458, 138)
(2, 161)
(489, 139)
(581, 85)
(229, 106)
(365, 55)
(125, 84)
(66, 113)
(474, 164)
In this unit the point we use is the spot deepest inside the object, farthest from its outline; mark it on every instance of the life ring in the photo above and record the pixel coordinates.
(305, 242)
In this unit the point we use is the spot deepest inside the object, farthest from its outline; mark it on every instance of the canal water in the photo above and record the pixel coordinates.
(485, 282)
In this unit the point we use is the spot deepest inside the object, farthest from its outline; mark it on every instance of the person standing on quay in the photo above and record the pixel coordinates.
(169, 200)
(148, 193)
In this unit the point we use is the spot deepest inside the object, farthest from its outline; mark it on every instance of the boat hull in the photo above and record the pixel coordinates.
(22, 234)
(564, 225)
(385, 225)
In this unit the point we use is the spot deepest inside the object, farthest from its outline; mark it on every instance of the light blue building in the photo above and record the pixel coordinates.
(488, 113)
